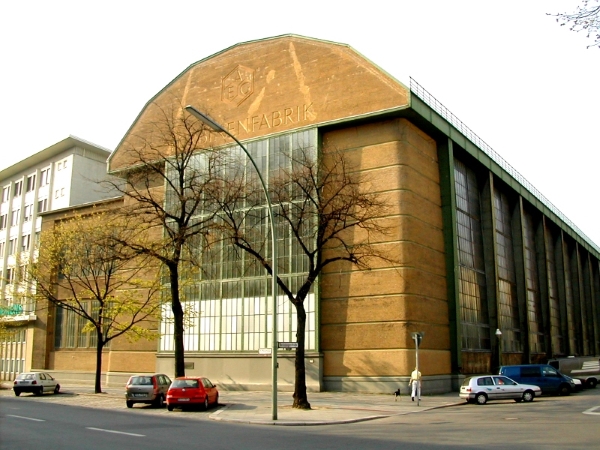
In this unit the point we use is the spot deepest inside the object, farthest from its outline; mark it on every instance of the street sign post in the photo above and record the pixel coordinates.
(287, 345)
(417, 337)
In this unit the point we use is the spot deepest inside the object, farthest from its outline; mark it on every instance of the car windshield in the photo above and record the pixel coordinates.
(185, 383)
(26, 376)
(141, 381)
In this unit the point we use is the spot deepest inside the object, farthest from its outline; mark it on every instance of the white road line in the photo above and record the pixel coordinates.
(26, 418)
(116, 432)
(592, 411)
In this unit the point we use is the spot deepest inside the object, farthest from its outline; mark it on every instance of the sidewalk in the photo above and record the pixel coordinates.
(328, 408)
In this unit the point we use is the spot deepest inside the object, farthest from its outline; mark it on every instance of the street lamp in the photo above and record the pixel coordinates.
(215, 126)
(499, 337)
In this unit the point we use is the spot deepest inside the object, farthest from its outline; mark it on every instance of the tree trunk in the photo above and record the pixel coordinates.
(177, 322)
(300, 397)
(99, 347)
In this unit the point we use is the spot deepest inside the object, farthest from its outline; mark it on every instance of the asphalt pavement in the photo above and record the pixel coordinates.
(256, 407)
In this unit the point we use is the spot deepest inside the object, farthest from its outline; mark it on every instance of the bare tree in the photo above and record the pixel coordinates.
(325, 207)
(586, 18)
(166, 187)
(80, 269)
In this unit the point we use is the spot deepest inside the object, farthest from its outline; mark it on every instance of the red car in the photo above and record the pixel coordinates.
(196, 391)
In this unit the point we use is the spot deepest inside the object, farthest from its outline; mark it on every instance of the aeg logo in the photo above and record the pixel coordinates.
(237, 85)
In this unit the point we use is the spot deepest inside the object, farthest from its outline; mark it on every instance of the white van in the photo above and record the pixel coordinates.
(584, 368)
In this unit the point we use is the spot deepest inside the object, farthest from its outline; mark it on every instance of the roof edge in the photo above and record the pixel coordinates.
(55, 149)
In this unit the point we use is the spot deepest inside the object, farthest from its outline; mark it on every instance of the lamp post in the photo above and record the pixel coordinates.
(499, 337)
(215, 126)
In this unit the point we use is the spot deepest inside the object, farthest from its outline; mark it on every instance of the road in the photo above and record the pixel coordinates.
(47, 422)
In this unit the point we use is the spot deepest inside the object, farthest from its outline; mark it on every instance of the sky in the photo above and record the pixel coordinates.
(525, 85)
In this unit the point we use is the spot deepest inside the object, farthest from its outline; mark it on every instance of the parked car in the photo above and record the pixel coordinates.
(546, 377)
(480, 389)
(185, 391)
(149, 389)
(584, 368)
(579, 385)
(35, 382)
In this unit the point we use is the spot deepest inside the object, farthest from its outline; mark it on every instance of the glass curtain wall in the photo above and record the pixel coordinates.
(569, 298)
(229, 306)
(472, 285)
(534, 303)
(508, 308)
(556, 336)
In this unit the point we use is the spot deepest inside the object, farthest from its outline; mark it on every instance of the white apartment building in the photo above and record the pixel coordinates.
(63, 175)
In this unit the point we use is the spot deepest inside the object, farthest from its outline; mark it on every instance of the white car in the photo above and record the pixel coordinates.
(36, 383)
(480, 389)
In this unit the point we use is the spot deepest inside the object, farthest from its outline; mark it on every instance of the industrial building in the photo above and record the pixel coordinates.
(484, 265)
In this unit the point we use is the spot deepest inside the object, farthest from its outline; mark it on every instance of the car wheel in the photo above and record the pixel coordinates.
(481, 399)
(216, 400)
(17, 393)
(169, 407)
(160, 401)
(129, 404)
(528, 396)
(40, 391)
(57, 389)
(205, 405)
(591, 383)
(564, 389)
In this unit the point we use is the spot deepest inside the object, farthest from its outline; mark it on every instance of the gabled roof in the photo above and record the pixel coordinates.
(270, 86)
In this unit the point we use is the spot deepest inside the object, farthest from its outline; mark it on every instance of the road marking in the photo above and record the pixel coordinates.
(26, 418)
(591, 411)
(116, 432)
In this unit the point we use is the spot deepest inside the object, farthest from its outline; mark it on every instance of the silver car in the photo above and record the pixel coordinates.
(480, 389)
(35, 382)
(150, 389)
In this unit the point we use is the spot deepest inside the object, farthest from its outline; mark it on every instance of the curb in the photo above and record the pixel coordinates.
(290, 423)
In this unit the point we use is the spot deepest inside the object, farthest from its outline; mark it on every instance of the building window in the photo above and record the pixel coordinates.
(30, 183)
(3, 221)
(56, 193)
(27, 213)
(62, 192)
(69, 326)
(16, 215)
(44, 177)
(18, 188)
(59, 166)
(25, 243)
(42, 205)
(5, 193)
(10, 275)
(65, 164)
(12, 246)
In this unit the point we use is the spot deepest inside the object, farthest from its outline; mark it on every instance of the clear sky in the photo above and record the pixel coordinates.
(527, 86)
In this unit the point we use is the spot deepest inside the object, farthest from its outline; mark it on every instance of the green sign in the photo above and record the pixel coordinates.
(13, 310)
